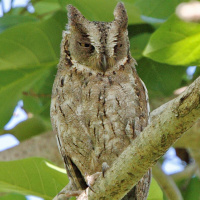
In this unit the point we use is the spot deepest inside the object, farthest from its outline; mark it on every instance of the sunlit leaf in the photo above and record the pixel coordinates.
(32, 176)
(155, 193)
(176, 43)
(13, 196)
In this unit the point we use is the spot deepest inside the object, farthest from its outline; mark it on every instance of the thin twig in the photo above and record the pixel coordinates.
(166, 183)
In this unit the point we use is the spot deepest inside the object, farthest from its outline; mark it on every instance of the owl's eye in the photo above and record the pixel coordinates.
(117, 46)
(85, 44)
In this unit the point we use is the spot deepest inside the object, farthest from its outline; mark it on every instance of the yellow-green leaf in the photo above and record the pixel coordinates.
(32, 176)
(176, 42)
(155, 193)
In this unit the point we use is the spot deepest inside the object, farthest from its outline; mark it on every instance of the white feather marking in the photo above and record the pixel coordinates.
(79, 110)
(147, 99)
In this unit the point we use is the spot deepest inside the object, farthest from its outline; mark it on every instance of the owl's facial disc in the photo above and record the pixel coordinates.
(98, 45)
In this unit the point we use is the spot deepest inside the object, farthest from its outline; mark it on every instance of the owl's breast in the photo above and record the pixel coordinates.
(99, 116)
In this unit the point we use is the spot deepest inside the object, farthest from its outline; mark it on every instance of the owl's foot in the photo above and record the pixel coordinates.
(92, 178)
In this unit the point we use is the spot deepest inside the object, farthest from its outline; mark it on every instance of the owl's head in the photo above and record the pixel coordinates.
(97, 45)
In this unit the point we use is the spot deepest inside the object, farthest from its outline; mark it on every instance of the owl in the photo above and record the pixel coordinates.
(99, 104)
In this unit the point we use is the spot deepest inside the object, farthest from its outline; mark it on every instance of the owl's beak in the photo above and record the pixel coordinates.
(103, 63)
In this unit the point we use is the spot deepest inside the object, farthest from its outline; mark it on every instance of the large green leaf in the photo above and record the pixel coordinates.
(37, 176)
(102, 10)
(12, 20)
(11, 90)
(45, 7)
(136, 29)
(192, 190)
(160, 79)
(155, 193)
(28, 128)
(29, 54)
(13, 196)
(176, 43)
(37, 98)
(157, 8)
(32, 176)
(137, 44)
(139, 35)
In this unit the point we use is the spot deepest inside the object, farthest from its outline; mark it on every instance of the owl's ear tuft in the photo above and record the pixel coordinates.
(75, 18)
(121, 16)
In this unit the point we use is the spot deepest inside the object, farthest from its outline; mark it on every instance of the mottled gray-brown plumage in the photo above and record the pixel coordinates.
(99, 104)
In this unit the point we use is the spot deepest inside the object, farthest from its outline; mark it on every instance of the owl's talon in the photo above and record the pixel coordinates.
(105, 167)
(91, 188)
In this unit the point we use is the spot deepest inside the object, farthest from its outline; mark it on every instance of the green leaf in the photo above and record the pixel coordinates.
(9, 21)
(32, 176)
(29, 54)
(156, 77)
(136, 29)
(137, 44)
(28, 128)
(192, 190)
(157, 8)
(37, 99)
(176, 43)
(102, 10)
(45, 7)
(155, 193)
(13, 196)
(11, 93)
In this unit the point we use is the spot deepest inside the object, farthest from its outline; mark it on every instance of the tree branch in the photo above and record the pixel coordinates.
(43, 145)
(166, 183)
(178, 116)
(195, 153)
(187, 173)
(191, 137)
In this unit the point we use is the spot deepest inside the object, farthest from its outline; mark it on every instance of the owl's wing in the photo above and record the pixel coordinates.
(77, 180)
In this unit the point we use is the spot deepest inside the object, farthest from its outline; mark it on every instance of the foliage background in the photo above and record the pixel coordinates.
(163, 45)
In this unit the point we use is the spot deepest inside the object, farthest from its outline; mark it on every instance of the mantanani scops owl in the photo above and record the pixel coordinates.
(99, 104)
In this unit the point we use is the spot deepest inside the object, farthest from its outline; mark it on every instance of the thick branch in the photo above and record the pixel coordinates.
(190, 138)
(178, 116)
